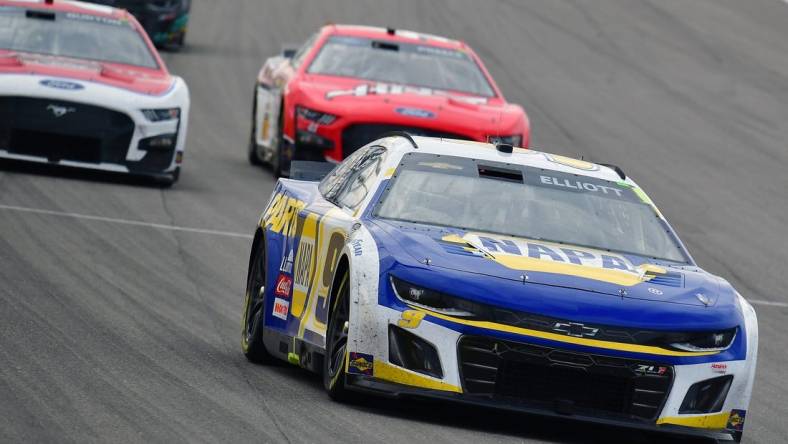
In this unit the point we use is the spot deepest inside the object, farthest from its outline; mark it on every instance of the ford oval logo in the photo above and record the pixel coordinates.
(61, 84)
(415, 112)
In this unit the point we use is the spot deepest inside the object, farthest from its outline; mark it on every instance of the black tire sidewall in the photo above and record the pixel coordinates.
(254, 348)
(338, 391)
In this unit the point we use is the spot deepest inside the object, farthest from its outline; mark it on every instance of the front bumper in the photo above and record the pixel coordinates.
(90, 128)
(388, 389)
(530, 376)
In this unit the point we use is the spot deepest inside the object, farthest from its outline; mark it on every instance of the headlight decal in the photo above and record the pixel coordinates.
(162, 114)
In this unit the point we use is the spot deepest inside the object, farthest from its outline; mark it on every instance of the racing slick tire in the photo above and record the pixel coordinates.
(254, 150)
(336, 343)
(254, 308)
(168, 180)
(277, 162)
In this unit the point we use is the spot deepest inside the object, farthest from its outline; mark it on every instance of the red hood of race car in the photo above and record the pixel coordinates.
(424, 106)
(132, 78)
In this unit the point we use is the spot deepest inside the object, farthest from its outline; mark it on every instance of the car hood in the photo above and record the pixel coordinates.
(532, 262)
(423, 106)
(135, 79)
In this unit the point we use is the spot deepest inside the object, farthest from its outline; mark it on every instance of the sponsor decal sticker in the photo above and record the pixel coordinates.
(648, 369)
(655, 291)
(500, 247)
(441, 165)
(281, 215)
(416, 112)
(411, 319)
(281, 308)
(283, 286)
(736, 420)
(357, 247)
(360, 364)
(287, 263)
(367, 89)
(719, 367)
(573, 163)
(580, 185)
(61, 84)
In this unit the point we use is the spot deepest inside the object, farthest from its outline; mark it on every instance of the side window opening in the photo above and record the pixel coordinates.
(299, 56)
(351, 181)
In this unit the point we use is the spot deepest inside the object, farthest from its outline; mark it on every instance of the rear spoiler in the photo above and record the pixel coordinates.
(310, 171)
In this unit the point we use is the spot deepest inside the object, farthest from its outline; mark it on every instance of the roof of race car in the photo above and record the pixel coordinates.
(400, 35)
(519, 156)
(70, 6)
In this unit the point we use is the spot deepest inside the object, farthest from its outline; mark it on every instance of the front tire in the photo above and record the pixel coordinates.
(254, 309)
(336, 344)
(254, 150)
(277, 158)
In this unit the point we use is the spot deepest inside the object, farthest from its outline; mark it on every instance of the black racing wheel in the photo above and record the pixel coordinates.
(336, 343)
(254, 309)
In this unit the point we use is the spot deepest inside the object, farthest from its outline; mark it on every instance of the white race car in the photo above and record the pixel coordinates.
(82, 85)
(502, 277)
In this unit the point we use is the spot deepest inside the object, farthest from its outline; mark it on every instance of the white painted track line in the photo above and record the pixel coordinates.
(210, 232)
(124, 221)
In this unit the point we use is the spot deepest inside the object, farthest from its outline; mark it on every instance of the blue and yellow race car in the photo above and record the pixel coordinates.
(497, 276)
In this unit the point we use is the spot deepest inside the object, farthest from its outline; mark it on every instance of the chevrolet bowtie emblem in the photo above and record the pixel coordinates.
(575, 329)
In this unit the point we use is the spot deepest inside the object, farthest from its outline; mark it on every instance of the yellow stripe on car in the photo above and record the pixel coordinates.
(713, 421)
(392, 373)
(633, 348)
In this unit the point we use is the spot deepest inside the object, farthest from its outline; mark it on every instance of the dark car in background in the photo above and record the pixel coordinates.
(165, 21)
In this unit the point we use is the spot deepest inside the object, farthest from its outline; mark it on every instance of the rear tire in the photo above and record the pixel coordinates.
(254, 309)
(336, 344)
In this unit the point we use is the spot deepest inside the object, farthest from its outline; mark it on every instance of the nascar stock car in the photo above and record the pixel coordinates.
(81, 85)
(347, 85)
(510, 278)
(165, 21)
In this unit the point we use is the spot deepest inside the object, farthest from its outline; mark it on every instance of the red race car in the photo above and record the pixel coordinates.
(347, 85)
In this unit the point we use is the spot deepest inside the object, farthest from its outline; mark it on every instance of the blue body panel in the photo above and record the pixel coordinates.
(278, 247)
(402, 248)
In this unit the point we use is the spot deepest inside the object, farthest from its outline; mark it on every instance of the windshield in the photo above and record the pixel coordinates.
(528, 203)
(69, 34)
(401, 63)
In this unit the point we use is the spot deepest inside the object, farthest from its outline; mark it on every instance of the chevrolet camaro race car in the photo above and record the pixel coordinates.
(165, 21)
(347, 85)
(509, 278)
(82, 85)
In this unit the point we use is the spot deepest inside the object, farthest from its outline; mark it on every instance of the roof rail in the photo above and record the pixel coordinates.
(404, 134)
(615, 168)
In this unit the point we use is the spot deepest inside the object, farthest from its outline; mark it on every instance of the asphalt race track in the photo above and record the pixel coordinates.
(123, 332)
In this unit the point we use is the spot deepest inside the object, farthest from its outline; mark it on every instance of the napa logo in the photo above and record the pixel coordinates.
(61, 84)
(545, 257)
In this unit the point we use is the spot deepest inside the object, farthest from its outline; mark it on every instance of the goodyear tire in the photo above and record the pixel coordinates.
(336, 343)
(277, 158)
(253, 150)
(254, 308)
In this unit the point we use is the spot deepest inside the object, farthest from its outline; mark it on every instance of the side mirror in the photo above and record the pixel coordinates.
(289, 53)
